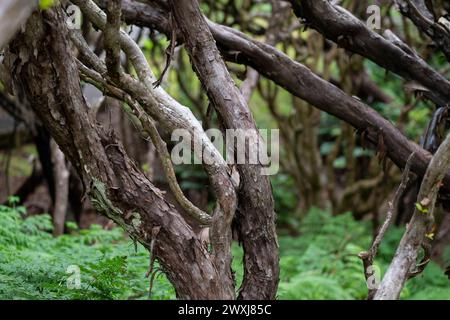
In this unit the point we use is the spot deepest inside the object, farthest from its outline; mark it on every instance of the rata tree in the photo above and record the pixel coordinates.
(47, 70)
(48, 62)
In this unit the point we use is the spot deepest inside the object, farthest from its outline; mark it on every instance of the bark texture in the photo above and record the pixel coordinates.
(301, 82)
(43, 64)
(419, 14)
(418, 230)
(255, 216)
(339, 25)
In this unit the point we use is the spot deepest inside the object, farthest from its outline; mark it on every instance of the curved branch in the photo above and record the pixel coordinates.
(166, 110)
(339, 25)
(149, 127)
(299, 81)
(417, 12)
(418, 229)
(257, 216)
(114, 184)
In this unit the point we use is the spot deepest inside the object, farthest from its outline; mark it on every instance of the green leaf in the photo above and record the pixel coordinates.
(12, 200)
(46, 4)
(421, 209)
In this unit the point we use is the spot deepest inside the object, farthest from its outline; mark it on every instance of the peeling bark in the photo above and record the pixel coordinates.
(299, 81)
(44, 66)
(256, 216)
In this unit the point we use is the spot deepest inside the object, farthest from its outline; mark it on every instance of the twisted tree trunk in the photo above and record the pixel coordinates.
(256, 217)
(43, 64)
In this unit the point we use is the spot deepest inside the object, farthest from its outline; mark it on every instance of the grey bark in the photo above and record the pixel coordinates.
(418, 13)
(298, 80)
(339, 25)
(43, 64)
(256, 217)
(418, 229)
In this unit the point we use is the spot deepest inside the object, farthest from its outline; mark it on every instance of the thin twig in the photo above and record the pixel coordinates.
(170, 52)
(148, 125)
(368, 257)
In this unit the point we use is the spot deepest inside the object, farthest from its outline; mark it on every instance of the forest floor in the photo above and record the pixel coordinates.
(321, 263)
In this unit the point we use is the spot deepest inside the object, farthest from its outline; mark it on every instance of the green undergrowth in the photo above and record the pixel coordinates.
(320, 264)
(35, 265)
(323, 264)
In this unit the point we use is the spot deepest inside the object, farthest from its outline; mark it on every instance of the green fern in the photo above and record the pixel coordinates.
(33, 263)
(320, 264)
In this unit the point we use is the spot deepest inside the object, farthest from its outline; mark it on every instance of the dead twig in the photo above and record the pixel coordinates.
(369, 256)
